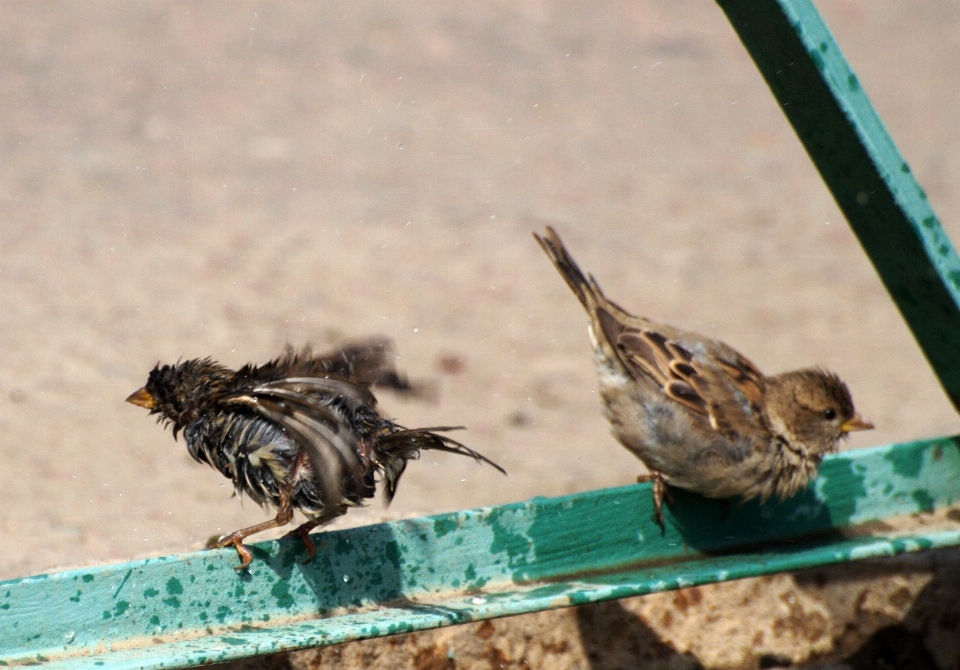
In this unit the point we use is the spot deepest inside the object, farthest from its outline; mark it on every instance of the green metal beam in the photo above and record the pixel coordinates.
(191, 609)
(870, 180)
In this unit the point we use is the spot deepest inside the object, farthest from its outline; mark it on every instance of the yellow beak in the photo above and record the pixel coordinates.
(856, 423)
(142, 398)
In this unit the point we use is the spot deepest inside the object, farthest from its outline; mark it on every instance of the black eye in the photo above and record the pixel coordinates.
(830, 414)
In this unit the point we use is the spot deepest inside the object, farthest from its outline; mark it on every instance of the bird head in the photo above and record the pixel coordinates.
(812, 410)
(179, 392)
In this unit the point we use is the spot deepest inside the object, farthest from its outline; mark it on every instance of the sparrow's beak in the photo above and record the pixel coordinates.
(143, 398)
(856, 423)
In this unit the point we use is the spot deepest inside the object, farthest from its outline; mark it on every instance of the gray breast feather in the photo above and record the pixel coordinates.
(673, 440)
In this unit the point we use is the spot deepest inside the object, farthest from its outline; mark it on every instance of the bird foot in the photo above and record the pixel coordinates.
(303, 532)
(660, 493)
(235, 539)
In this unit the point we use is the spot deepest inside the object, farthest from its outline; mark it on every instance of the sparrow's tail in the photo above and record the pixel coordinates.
(586, 288)
(395, 448)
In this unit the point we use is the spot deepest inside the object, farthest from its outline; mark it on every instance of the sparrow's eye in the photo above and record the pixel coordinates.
(830, 414)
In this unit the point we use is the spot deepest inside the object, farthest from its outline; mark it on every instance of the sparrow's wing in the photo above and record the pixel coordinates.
(718, 383)
(366, 363)
(370, 362)
(355, 395)
(331, 445)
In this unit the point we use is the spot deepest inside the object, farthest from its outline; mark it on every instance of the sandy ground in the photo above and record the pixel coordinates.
(181, 180)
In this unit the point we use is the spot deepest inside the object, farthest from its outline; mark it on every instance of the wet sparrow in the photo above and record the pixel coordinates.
(698, 414)
(300, 432)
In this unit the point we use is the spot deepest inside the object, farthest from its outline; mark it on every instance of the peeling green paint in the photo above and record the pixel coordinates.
(174, 587)
(842, 488)
(281, 591)
(233, 640)
(923, 499)
(392, 554)
(443, 526)
(508, 540)
(905, 464)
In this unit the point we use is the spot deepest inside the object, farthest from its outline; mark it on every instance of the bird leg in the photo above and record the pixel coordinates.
(660, 493)
(284, 515)
(303, 530)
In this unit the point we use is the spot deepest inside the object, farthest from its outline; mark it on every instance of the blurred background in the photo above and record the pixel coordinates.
(183, 179)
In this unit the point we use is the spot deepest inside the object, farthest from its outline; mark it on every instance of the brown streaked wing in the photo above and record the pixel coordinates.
(666, 361)
(686, 395)
(734, 396)
(726, 388)
(746, 376)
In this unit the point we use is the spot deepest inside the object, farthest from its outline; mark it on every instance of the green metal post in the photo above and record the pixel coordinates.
(870, 180)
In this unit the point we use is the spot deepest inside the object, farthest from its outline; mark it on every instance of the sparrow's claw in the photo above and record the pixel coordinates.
(660, 493)
(246, 556)
(303, 532)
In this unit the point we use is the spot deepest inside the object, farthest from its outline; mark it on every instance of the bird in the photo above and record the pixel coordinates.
(699, 414)
(301, 432)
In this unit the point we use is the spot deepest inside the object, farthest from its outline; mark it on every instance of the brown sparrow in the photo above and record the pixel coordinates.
(697, 413)
(300, 432)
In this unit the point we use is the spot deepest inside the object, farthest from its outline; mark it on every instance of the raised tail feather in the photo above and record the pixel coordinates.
(396, 448)
(586, 288)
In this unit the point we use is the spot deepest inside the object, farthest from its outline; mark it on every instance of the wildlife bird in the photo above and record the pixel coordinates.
(300, 432)
(700, 415)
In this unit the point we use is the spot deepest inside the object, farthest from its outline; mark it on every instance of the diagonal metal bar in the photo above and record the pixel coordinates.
(192, 609)
(857, 158)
